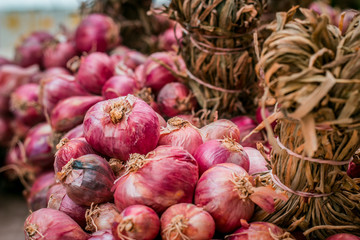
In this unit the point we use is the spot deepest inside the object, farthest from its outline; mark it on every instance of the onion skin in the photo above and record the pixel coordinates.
(168, 40)
(130, 58)
(52, 224)
(181, 133)
(58, 87)
(48, 73)
(101, 217)
(24, 104)
(37, 197)
(219, 151)
(121, 126)
(258, 163)
(246, 125)
(169, 172)
(194, 222)
(76, 132)
(70, 112)
(343, 236)
(162, 121)
(175, 98)
(59, 54)
(118, 86)
(95, 69)
(96, 32)
(102, 235)
(323, 8)
(79, 175)
(137, 222)
(220, 129)
(192, 119)
(37, 146)
(69, 149)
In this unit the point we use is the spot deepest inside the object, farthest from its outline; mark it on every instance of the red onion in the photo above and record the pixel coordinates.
(19, 128)
(258, 163)
(175, 98)
(181, 133)
(220, 129)
(229, 194)
(87, 179)
(101, 217)
(5, 131)
(246, 125)
(354, 166)
(162, 121)
(4, 61)
(36, 198)
(259, 230)
(31, 49)
(59, 200)
(349, 15)
(168, 40)
(121, 126)
(102, 235)
(191, 118)
(76, 132)
(156, 75)
(219, 151)
(52, 224)
(186, 221)
(140, 75)
(259, 117)
(48, 73)
(119, 86)
(57, 55)
(4, 105)
(70, 112)
(343, 236)
(58, 87)
(323, 8)
(37, 145)
(14, 162)
(96, 32)
(24, 104)
(69, 149)
(137, 222)
(130, 58)
(162, 178)
(95, 69)
(146, 95)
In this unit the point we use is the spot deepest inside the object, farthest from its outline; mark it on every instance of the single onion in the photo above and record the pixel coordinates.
(52, 224)
(15, 158)
(258, 163)
(58, 87)
(181, 133)
(37, 145)
(102, 235)
(168, 40)
(101, 217)
(140, 75)
(246, 125)
(162, 178)
(87, 179)
(130, 58)
(229, 194)
(259, 230)
(70, 112)
(175, 98)
(258, 117)
(24, 104)
(343, 236)
(162, 121)
(59, 200)
(95, 69)
(323, 8)
(32, 48)
(136, 222)
(219, 151)
(57, 55)
(191, 118)
(220, 129)
(96, 32)
(36, 198)
(157, 76)
(121, 126)
(186, 221)
(118, 86)
(5, 131)
(69, 149)
(76, 132)
(50, 72)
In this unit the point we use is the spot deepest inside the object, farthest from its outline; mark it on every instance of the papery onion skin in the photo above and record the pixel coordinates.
(101, 217)
(181, 133)
(220, 129)
(118, 86)
(258, 163)
(95, 69)
(52, 224)
(69, 149)
(102, 235)
(343, 236)
(137, 222)
(219, 151)
(96, 32)
(162, 121)
(88, 179)
(196, 223)
(70, 112)
(59, 54)
(37, 197)
(76, 132)
(121, 126)
(192, 119)
(169, 172)
(246, 125)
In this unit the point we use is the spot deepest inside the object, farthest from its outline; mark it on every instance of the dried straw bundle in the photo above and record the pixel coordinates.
(314, 73)
(219, 52)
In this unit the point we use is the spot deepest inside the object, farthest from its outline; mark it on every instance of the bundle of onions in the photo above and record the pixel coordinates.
(101, 217)
(229, 194)
(220, 129)
(37, 196)
(136, 222)
(181, 133)
(79, 175)
(48, 223)
(169, 172)
(186, 221)
(121, 126)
